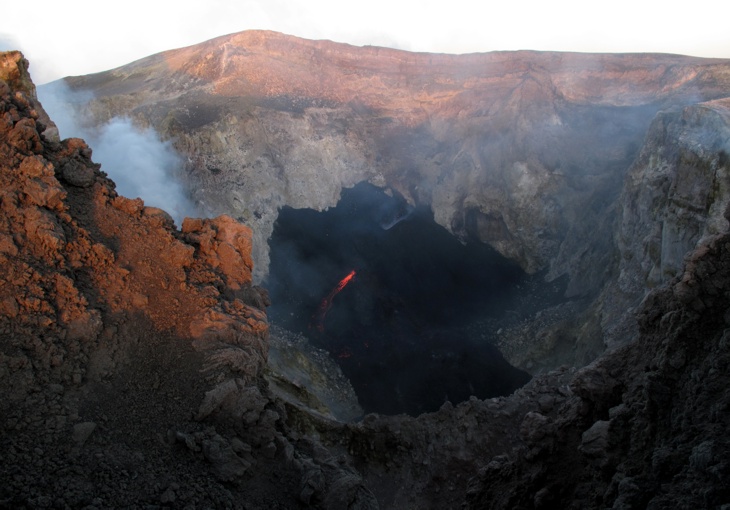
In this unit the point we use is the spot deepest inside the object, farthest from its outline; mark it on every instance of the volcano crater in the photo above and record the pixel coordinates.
(408, 311)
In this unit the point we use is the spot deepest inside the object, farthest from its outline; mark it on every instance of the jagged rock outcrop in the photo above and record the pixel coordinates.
(673, 197)
(122, 337)
(653, 412)
(675, 193)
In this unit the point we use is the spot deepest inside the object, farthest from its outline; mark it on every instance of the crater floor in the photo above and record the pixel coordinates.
(394, 298)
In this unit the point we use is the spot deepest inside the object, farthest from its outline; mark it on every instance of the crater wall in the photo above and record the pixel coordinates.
(527, 152)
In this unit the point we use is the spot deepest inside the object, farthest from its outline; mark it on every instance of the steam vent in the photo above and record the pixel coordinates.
(361, 278)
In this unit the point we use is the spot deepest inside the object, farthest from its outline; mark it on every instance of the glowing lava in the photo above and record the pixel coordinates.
(326, 303)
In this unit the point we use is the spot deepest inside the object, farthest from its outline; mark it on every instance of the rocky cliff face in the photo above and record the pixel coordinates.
(524, 151)
(675, 192)
(673, 198)
(132, 368)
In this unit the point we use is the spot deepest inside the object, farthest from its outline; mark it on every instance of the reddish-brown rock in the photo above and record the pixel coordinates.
(101, 303)
(131, 354)
(84, 270)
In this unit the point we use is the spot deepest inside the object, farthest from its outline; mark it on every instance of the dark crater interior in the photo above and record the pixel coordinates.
(400, 327)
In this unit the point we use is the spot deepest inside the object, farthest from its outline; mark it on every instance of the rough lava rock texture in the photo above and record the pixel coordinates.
(525, 151)
(132, 374)
(674, 197)
(120, 336)
(675, 193)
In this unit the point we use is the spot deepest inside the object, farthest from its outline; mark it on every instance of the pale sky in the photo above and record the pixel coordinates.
(73, 37)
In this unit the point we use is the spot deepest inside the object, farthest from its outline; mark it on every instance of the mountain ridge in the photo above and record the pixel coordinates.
(313, 66)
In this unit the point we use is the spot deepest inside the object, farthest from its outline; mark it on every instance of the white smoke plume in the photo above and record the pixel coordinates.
(139, 162)
(396, 217)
